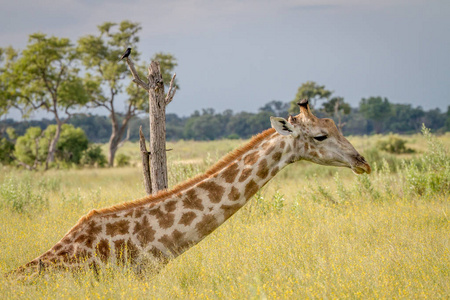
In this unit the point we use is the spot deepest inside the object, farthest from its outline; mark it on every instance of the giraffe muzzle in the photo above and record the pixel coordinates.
(361, 166)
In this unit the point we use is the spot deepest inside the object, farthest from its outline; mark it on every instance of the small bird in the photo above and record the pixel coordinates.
(126, 54)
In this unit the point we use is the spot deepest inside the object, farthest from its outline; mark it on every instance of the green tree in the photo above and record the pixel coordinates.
(45, 76)
(377, 110)
(71, 145)
(7, 56)
(27, 149)
(277, 108)
(105, 75)
(206, 126)
(311, 91)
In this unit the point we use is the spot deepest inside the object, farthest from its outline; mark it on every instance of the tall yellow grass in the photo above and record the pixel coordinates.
(312, 232)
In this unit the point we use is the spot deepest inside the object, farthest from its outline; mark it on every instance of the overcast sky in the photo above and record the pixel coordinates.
(241, 54)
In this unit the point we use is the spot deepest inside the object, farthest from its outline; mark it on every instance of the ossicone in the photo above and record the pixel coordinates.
(304, 107)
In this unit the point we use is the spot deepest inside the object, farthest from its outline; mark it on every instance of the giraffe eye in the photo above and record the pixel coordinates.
(320, 138)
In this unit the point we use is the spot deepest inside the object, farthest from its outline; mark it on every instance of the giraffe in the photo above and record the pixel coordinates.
(165, 225)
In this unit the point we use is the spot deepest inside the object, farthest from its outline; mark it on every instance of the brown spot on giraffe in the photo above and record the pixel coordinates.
(103, 250)
(83, 255)
(230, 173)
(165, 220)
(282, 144)
(144, 232)
(245, 174)
(170, 206)
(274, 171)
(156, 253)
(125, 251)
(138, 213)
(250, 189)
(251, 158)
(67, 251)
(229, 210)
(265, 145)
(263, 169)
(174, 242)
(58, 246)
(215, 191)
(129, 213)
(206, 225)
(119, 227)
(192, 201)
(187, 218)
(276, 156)
(269, 150)
(67, 239)
(234, 194)
(93, 229)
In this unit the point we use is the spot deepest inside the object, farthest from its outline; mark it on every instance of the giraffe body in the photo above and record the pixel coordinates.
(167, 224)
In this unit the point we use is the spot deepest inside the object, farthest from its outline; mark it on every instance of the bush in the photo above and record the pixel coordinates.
(394, 145)
(18, 195)
(93, 156)
(122, 160)
(32, 147)
(377, 159)
(233, 136)
(6, 151)
(430, 173)
(72, 142)
(28, 149)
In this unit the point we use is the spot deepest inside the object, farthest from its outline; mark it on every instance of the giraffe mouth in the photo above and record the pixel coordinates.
(360, 170)
(361, 166)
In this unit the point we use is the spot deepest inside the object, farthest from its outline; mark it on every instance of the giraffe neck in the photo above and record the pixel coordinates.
(219, 196)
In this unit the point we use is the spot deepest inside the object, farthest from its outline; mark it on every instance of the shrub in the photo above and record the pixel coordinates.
(430, 173)
(28, 150)
(6, 151)
(93, 156)
(122, 160)
(394, 144)
(376, 158)
(18, 195)
(32, 147)
(233, 136)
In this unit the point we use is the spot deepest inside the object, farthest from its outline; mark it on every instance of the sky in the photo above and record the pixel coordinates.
(241, 54)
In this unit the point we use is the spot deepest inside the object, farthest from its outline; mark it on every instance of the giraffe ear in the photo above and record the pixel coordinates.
(282, 126)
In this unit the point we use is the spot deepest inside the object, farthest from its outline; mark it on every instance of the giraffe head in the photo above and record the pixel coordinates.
(319, 141)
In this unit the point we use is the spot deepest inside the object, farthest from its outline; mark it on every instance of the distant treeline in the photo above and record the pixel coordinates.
(210, 125)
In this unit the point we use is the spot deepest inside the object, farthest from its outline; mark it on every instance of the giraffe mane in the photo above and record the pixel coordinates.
(163, 195)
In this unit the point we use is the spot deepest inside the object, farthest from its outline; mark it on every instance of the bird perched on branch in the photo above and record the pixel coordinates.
(126, 53)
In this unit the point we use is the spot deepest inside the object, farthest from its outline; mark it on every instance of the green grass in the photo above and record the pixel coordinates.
(312, 232)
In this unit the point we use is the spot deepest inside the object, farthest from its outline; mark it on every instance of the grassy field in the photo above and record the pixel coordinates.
(312, 232)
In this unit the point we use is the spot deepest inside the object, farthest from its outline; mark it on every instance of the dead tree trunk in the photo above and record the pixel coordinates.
(157, 111)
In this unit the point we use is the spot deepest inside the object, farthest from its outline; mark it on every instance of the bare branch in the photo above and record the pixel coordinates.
(135, 74)
(145, 163)
(172, 90)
